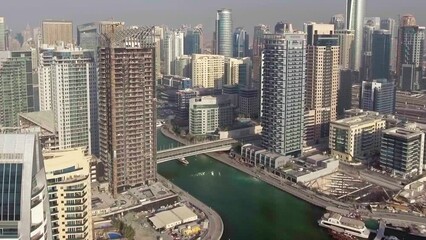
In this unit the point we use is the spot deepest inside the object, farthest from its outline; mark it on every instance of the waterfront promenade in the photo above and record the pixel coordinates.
(215, 228)
(305, 194)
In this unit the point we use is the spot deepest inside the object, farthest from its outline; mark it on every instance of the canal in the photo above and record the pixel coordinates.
(250, 209)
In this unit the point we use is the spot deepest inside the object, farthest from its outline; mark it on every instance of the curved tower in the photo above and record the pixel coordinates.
(223, 32)
(355, 13)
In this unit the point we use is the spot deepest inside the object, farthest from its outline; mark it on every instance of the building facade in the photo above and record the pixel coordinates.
(282, 94)
(127, 108)
(208, 71)
(355, 13)
(69, 189)
(203, 115)
(248, 99)
(356, 138)
(259, 32)
(381, 54)
(54, 31)
(402, 151)
(2, 34)
(379, 96)
(173, 49)
(183, 98)
(223, 33)
(322, 77)
(240, 43)
(24, 201)
(346, 44)
(193, 42)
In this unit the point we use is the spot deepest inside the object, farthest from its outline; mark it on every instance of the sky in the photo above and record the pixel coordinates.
(174, 13)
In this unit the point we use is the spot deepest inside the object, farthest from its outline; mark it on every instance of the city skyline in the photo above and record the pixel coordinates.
(173, 13)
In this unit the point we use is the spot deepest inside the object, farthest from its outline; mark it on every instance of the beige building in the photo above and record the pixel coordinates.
(232, 70)
(208, 71)
(356, 138)
(69, 189)
(346, 41)
(322, 79)
(54, 31)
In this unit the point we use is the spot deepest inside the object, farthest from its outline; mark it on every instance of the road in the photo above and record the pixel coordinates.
(302, 193)
(215, 229)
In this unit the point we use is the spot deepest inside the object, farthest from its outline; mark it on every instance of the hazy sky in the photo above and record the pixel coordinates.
(246, 13)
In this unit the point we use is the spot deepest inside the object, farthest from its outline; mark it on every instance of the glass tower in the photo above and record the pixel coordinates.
(223, 32)
(381, 54)
(355, 12)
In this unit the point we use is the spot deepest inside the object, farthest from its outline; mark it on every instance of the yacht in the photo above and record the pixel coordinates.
(183, 161)
(160, 123)
(339, 223)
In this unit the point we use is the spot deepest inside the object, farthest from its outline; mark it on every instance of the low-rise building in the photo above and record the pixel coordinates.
(304, 173)
(176, 82)
(356, 138)
(174, 217)
(402, 151)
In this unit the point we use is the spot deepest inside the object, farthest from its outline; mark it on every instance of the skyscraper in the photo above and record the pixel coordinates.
(2, 34)
(390, 25)
(240, 43)
(378, 96)
(223, 32)
(381, 54)
(322, 77)
(15, 89)
(283, 27)
(346, 43)
(68, 80)
(367, 52)
(193, 43)
(338, 21)
(355, 12)
(259, 32)
(282, 95)
(173, 48)
(25, 206)
(88, 34)
(208, 71)
(410, 54)
(54, 31)
(127, 108)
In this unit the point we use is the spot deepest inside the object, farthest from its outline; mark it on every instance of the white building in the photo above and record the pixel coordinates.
(173, 49)
(203, 115)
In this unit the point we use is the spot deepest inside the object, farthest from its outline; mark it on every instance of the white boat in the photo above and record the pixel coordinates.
(339, 223)
(160, 123)
(183, 161)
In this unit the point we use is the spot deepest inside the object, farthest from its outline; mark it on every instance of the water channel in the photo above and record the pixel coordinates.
(250, 209)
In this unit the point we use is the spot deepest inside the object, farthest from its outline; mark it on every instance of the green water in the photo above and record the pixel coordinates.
(250, 209)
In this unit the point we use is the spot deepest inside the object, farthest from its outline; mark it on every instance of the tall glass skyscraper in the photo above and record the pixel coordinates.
(240, 43)
(193, 43)
(355, 12)
(381, 54)
(223, 32)
(282, 94)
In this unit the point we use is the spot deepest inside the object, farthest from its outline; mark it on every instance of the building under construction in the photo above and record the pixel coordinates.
(127, 108)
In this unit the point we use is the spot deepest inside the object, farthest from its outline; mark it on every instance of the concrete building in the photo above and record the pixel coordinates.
(381, 54)
(356, 138)
(355, 13)
(346, 44)
(223, 33)
(259, 32)
(44, 124)
(203, 115)
(24, 201)
(232, 71)
(208, 71)
(402, 151)
(240, 43)
(282, 94)
(68, 176)
(183, 98)
(16, 88)
(55, 31)
(193, 41)
(175, 82)
(379, 96)
(248, 100)
(127, 108)
(411, 106)
(68, 85)
(322, 77)
(410, 57)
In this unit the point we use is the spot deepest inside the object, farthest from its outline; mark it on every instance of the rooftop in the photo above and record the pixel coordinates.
(358, 120)
(44, 119)
(403, 132)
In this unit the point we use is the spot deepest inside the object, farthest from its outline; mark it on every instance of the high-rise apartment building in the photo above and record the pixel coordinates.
(338, 21)
(203, 115)
(127, 107)
(15, 89)
(182, 66)
(282, 94)
(381, 54)
(193, 42)
(355, 12)
(24, 203)
(208, 71)
(240, 42)
(173, 48)
(322, 77)
(378, 95)
(223, 33)
(390, 25)
(410, 54)
(68, 85)
(346, 44)
(54, 31)
(402, 151)
(259, 32)
(232, 66)
(356, 138)
(248, 102)
(69, 189)
(2, 34)
(367, 44)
